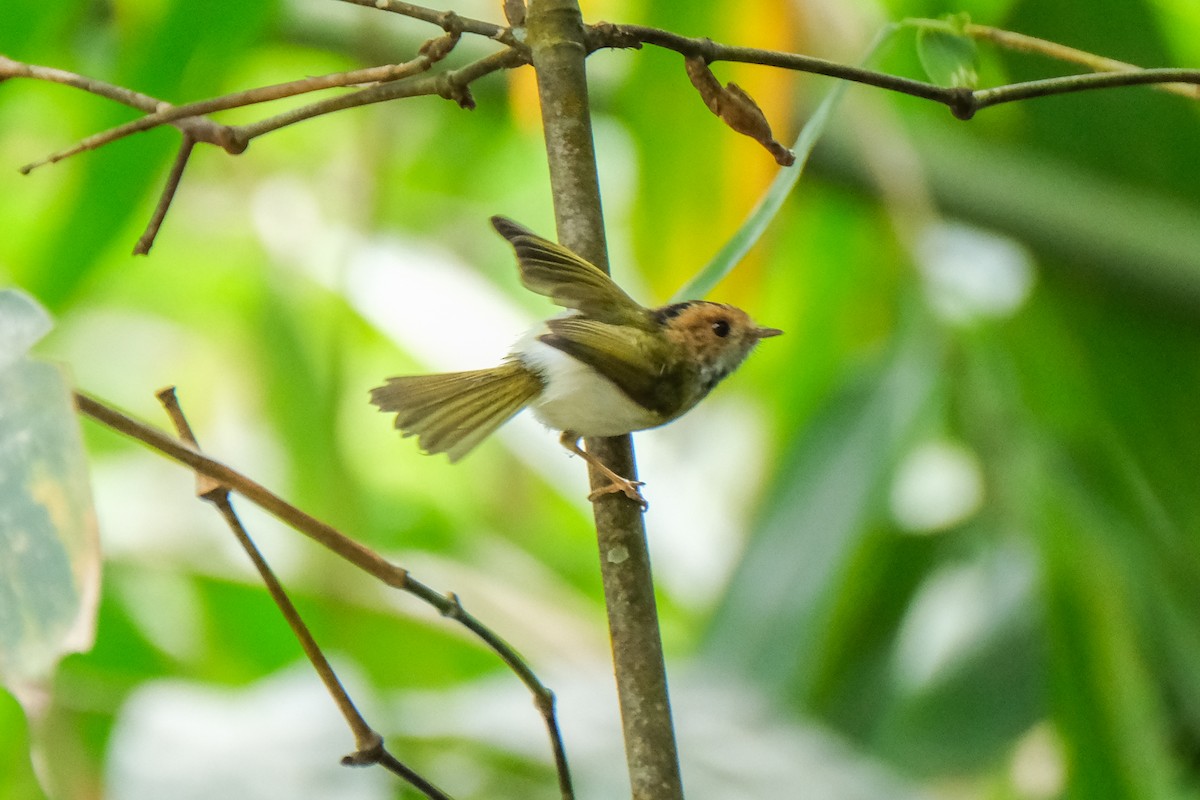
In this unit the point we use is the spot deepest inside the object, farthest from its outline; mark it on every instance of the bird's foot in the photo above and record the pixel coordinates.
(619, 483)
(624, 485)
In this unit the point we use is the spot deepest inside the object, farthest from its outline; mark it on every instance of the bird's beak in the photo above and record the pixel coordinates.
(763, 333)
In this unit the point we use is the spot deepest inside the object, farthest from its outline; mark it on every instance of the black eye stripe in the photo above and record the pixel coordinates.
(721, 328)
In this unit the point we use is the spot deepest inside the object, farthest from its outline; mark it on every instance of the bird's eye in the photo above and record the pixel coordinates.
(721, 328)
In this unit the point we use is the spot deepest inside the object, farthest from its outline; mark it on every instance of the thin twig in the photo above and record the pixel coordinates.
(543, 698)
(451, 85)
(985, 98)
(369, 745)
(1023, 43)
(17, 69)
(164, 113)
(962, 102)
(234, 139)
(448, 21)
(400, 80)
(201, 130)
(622, 36)
(146, 240)
(392, 82)
(448, 605)
(217, 494)
(385, 759)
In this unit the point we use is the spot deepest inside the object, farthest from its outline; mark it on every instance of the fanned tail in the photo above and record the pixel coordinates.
(454, 411)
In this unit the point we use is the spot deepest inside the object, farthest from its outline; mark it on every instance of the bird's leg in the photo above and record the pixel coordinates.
(570, 440)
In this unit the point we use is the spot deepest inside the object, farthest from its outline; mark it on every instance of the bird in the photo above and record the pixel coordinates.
(608, 366)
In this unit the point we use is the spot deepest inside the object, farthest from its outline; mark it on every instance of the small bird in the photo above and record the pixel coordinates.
(608, 367)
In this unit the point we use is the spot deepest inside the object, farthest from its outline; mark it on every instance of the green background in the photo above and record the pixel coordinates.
(1042, 640)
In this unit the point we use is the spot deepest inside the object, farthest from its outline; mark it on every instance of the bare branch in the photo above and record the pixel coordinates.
(622, 36)
(379, 755)
(985, 98)
(146, 240)
(163, 113)
(1022, 43)
(200, 130)
(446, 20)
(16, 69)
(369, 745)
(395, 81)
(962, 102)
(452, 85)
(217, 494)
(391, 81)
(326, 535)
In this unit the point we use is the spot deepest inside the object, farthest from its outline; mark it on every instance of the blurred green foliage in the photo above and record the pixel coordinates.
(1040, 641)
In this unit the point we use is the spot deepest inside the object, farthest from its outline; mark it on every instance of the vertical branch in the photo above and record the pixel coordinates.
(556, 38)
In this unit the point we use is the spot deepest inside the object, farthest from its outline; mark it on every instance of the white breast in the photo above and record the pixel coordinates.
(576, 397)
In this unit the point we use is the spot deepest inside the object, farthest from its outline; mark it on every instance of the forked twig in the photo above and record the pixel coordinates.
(391, 82)
(395, 81)
(234, 141)
(216, 493)
(226, 479)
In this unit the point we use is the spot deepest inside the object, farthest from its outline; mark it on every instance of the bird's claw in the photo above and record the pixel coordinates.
(625, 486)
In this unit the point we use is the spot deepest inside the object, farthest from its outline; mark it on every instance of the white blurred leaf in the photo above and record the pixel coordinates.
(22, 323)
(49, 555)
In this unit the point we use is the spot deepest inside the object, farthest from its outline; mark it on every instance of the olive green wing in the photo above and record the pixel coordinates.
(637, 361)
(554, 271)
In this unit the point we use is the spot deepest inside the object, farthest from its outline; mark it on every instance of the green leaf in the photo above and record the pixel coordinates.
(949, 57)
(1104, 693)
(20, 782)
(806, 551)
(962, 697)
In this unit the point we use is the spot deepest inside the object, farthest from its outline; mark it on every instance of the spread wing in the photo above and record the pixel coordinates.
(635, 360)
(554, 271)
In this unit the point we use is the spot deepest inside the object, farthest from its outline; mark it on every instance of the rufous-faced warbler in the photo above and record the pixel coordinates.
(608, 367)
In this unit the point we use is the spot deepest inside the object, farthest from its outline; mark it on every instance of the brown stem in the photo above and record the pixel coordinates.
(393, 81)
(607, 35)
(214, 492)
(165, 113)
(1021, 43)
(369, 745)
(17, 69)
(962, 102)
(558, 44)
(385, 759)
(366, 559)
(734, 106)
(451, 85)
(447, 20)
(146, 240)
(985, 98)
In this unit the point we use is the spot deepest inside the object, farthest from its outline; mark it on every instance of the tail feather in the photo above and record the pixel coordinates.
(453, 412)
